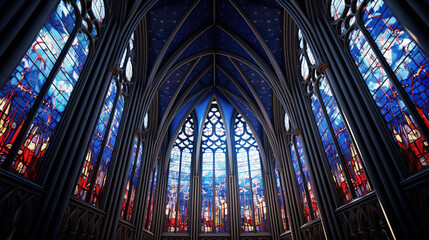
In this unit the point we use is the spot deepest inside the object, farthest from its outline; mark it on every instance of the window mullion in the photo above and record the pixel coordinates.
(214, 192)
(251, 189)
(178, 190)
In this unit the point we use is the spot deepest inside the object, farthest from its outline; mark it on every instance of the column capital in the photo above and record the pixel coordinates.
(322, 67)
(113, 69)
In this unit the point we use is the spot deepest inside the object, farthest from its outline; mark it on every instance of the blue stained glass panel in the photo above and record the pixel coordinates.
(285, 219)
(214, 208)
(130, 171)
(331, 151)
(307, 177)
(22, 90)
(97, 7)
(172, 188)
(337, 8)
(107, 154)
(402, 54)
(207, 192)
(300, 184)
(43, 127)
(134, 181)
(347, 147)
(97, 139)
(176, 212)
(406, 133)
(250, 184)
(149, 211)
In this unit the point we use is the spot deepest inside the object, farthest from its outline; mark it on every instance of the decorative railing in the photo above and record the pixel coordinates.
(363, 218)
(255, 236)
(416, 188)
(313, 230)
(175, 236)
(125, 231)
(147, 235)
(19, 202)
(286, 236)
(81, 221)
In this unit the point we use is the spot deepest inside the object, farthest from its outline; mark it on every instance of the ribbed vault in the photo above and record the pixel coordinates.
(232, 49)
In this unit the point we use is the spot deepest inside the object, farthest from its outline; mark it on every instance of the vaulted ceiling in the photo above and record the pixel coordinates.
(230, 48)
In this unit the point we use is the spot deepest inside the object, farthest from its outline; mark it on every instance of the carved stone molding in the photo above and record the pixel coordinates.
(80, 222)
(124, 232)
(313, 231)
(113, 69)
(364, 220)
(17, 209)
(322, 68)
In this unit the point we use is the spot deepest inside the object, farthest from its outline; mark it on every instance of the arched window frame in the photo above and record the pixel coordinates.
(234, 145)
(134, 176)
(121, 81)
(86, 28)
(281, 196)
(215, 102)
(150, 203)
(345, 173)
(191, 117)
(281, 188)
(347, 19)
(307, 197)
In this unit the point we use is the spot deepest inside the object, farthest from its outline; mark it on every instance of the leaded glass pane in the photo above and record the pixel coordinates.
(214, 208)
(179, 179)
(283, 211)
(304, 181)
(250, 184)
(21, 92)
(402, 65)
(130, 172)
(107, 155)
(151, 200)
(405, 131)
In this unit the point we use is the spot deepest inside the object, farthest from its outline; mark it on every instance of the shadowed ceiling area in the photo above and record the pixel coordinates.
(228, 48)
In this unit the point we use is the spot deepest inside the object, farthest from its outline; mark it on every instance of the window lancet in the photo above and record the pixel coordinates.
(41, 88)
(344, 161)
(179, 177)
(150, 199)
(214, 207)
(282, 202)
(250, 184)
(133, 177)
(394, 69)
(304, 182)
(95, 168)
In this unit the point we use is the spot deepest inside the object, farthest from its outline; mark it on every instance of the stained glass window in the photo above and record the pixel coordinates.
(151, 199)
(304, 181)
(287, 122)
(214, 208)
(146, 121)
(282, 203)
(133, 176)
(41, 88)
(344, 161)
(93, 176)
(250, 185)
(179, 178)
(395, 71)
